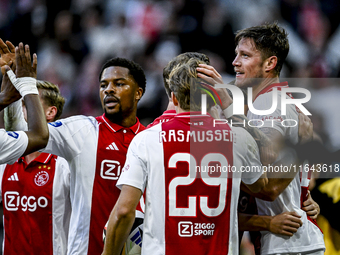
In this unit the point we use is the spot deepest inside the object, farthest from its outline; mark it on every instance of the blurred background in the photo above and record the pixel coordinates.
(74, 38)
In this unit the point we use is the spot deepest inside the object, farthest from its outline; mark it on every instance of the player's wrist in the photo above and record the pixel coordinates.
(24, 85)
(269, 223)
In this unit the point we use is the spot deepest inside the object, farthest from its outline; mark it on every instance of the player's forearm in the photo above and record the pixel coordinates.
(37, 127)
(5, 101)
(271, 190)
(117, 231)
(249, 222)
(274, 188)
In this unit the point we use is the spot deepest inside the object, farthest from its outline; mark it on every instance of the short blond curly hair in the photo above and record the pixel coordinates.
(50, 93)
(186, 86)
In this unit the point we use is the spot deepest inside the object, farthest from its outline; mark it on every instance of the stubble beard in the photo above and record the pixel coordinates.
(115, 117)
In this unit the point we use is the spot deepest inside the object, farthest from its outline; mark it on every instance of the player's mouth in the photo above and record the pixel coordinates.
(239, 74)
(111, 101)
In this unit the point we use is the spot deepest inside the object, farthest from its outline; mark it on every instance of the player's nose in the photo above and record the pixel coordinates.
(111, 88)
(236, 61)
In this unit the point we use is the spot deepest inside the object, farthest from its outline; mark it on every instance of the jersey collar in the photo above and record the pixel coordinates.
(42, 158)
(192, 115)
(169, 112)
(269, 88)
(115, 127)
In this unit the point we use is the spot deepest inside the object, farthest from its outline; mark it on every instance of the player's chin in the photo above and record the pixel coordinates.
(111, 109)
(113, 113)
(239, 82)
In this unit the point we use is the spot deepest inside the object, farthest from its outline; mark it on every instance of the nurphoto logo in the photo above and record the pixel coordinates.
(238, 100)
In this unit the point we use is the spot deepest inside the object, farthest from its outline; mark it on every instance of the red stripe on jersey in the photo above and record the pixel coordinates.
(27, 198)
(197, 211)
(113, 142)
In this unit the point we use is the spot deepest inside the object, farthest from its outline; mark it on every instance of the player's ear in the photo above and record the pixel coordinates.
(270, 63)
(174, 99)
(50, 113)
(139, 93)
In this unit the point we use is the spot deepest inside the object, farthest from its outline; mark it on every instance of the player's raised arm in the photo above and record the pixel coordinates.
(13, 116)
(8, 93)
(25, 83)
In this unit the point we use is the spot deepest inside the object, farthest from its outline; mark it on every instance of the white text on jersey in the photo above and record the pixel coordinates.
(13, 201)
(195, 136)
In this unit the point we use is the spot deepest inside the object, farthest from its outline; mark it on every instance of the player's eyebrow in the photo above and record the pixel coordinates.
(115, 80)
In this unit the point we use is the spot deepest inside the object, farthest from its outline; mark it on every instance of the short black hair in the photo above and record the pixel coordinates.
(134, 69)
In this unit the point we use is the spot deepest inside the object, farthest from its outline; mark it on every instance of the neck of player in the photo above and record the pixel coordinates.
(265, 83)
(124, 121)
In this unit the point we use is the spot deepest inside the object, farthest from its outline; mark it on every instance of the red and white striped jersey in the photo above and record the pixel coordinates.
(308, 237)
(36, 204)
(191, 172)
(95, 149)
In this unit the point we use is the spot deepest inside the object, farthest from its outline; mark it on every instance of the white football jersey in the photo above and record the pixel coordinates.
(188, 210)
(95, 149)
(308, 237)
(12, 145)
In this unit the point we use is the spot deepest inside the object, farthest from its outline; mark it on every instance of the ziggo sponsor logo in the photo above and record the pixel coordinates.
(13, 202)
(188, 229)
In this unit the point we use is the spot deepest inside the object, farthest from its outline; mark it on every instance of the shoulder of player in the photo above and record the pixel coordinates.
(61, 161)
(78, 120)
(7, 137)
(148, 133)
(265, 102)
(264, 99)
(239, 131)
(267, 98)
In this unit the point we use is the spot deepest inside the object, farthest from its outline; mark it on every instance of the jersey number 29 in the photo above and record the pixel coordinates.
(220, 181)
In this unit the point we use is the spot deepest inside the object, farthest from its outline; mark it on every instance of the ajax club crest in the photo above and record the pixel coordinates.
(41, 178)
